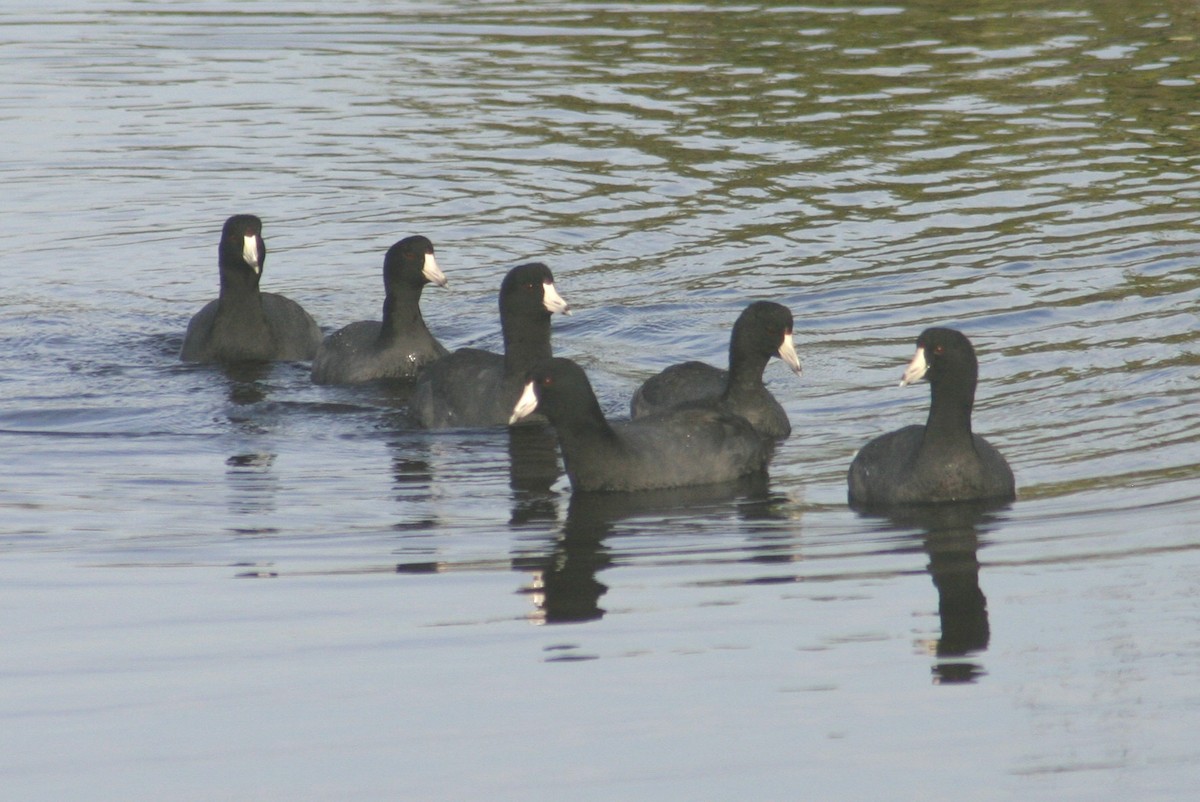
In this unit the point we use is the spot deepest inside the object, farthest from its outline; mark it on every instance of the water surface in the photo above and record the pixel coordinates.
(233, 583)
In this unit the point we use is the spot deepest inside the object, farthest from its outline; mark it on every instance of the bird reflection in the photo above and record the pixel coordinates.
(951, 540)
(252, 483)
(246, 385)
(412, 468)
(565, 588)
(249, 475)
(761, 513)
(533, 469)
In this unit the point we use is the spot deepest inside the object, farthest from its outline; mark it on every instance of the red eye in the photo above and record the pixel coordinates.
(937, 349)
(547, 381)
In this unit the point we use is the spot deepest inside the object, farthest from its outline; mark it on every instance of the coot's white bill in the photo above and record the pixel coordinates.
(526, 404)
(916, 369)
(250, 252)
(552, 300)
(787, 352)
(432, 272)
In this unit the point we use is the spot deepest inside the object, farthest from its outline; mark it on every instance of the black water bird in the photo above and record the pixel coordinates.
(943, 460)
(400, 345)
(762, 330)
(688, 445)
(476, 388)
(243, 323)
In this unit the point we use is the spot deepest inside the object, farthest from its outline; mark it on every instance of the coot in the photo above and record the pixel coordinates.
(244, 324)
(399, 346)
(762, 330)
(942, 460)
(689, 445)
(472, 387)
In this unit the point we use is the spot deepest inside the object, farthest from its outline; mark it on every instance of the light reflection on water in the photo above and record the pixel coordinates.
(1026, 173)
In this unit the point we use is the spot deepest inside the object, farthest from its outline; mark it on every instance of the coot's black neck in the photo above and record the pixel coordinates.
(949, 422)
(401, 312)
(239, 290)
(585, 431)
(745, 371)
(526, 342)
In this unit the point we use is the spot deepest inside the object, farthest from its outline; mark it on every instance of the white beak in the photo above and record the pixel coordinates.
(916, 369)
(552, 300)
(787, 352)
(250, 252)
(526, 404)
(432, 272)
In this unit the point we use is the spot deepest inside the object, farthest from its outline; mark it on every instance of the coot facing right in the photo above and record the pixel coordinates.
(762, 330)
(400, 345)
(476, 388)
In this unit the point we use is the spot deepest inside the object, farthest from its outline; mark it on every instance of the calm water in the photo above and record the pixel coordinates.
(238, 585)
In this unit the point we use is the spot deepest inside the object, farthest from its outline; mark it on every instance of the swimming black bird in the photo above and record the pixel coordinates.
(400, 345)
(244, 324)
(762, 330)
(942, 460)
(687, 445)
(475, 388)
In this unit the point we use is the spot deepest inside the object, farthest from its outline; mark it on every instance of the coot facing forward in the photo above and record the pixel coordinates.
(244, 324)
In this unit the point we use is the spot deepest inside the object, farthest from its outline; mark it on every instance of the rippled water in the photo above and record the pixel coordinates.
(237, 584)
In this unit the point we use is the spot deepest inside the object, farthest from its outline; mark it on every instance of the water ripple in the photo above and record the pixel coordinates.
(1029, 177)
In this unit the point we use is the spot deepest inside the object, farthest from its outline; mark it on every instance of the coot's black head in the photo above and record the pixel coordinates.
(528, 290)
(943, 354)
(410, 261)
(242, 251)
(559, 389)
(765, 328)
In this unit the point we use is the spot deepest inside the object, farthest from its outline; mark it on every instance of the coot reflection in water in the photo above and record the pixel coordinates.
(246, 381)
(950, 535)
(533, 462)
(565, 587)
(252, 483)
